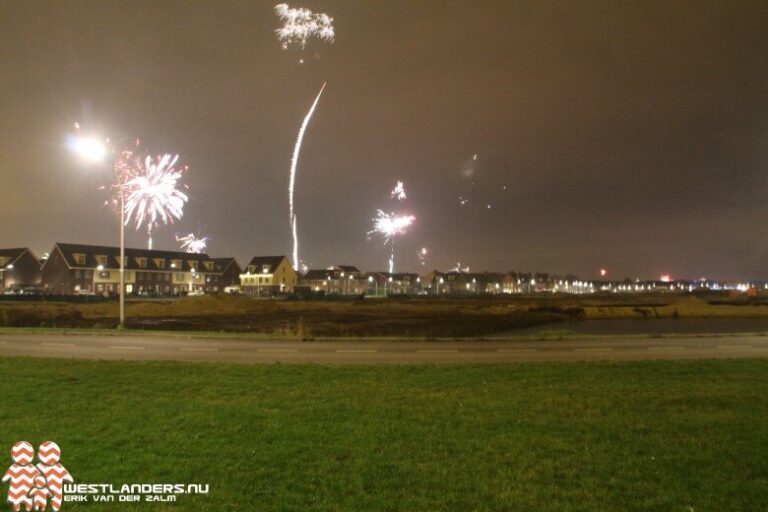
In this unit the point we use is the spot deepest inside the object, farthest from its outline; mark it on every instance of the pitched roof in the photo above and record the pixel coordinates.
(221, 264)
(13, 254)
(318, 274)
(270, 262)
(113, 257)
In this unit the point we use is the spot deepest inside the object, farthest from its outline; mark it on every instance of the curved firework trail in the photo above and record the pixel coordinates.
(292, 182)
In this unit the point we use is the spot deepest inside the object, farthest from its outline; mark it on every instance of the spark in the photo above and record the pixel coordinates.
(463, 201)
(603, 272)
(152, 193)
(390, 225)
(301, 24)
(193, 244)
(292, 180)
(458, 268)
(422, 255)
(399, 192)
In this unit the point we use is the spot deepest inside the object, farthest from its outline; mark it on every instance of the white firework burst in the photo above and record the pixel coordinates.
(152, 194)
(193, 244)
(399, 192)
(301, 24)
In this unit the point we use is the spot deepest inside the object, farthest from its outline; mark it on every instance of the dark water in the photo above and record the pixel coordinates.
(658, 326)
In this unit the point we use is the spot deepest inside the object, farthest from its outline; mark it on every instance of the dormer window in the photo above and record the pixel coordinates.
(101, 260)
(208, 265)
(141, 262)
(192, 264)
(176, 264)
(265, 269)
(159, 262)
(79, 258)
(251, 269)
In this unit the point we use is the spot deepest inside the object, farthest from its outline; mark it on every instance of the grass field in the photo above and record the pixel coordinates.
(667, 436)
(415, 316)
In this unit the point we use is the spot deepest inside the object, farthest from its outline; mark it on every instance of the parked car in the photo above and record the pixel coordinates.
(82, 291)
(196, 293)
(233, 290)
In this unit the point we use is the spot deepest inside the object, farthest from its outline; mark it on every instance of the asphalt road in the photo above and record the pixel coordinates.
(361, 351)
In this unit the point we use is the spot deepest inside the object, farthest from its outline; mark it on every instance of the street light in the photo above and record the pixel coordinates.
(93, 150)
(375, 282)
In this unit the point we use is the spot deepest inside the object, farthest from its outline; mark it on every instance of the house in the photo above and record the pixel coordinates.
(336, 280)
(19, 269)
(268, 275)
(384, 283)
(228, 271)
(78, 268)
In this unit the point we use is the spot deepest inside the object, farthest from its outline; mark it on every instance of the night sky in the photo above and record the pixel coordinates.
(631, 136)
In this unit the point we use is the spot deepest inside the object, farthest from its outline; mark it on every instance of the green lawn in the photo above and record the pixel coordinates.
(669, 436)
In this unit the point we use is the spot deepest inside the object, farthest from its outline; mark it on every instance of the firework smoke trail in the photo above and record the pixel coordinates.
(390, 225)
(300, 24)
(152, 196)
(192, 244)
(292, 181)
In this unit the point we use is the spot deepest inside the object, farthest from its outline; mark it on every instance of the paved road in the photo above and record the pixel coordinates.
(180, 348)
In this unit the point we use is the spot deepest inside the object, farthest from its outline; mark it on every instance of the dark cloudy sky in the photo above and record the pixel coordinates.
(630, 135)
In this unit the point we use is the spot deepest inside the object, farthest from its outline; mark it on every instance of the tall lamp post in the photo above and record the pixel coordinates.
(95, 151)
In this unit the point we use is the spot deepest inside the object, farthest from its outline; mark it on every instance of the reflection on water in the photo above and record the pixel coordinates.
(658, 326)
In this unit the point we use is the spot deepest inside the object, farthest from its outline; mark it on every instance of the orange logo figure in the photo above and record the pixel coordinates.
(39, 494)
(22, 476)
(55, 474)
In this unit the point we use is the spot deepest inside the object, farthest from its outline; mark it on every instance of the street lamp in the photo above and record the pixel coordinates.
(93, 150)
(375, 282)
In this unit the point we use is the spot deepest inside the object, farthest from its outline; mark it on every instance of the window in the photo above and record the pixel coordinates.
(141, 262)
(101, 259)
(176, 264)
(192, 264)
(79, 258)
(160, 262)
(89, 274)
(209, 265)
(179, 276)
(105, 274)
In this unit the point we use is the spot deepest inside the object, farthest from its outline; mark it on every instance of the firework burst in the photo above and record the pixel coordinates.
(458, 268)
(389, 225)
(399, 192)
(152, 193)
(301, 24)
(421, 254)
(193, 244)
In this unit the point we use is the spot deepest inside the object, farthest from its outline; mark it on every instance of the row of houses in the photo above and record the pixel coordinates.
(71, 269)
